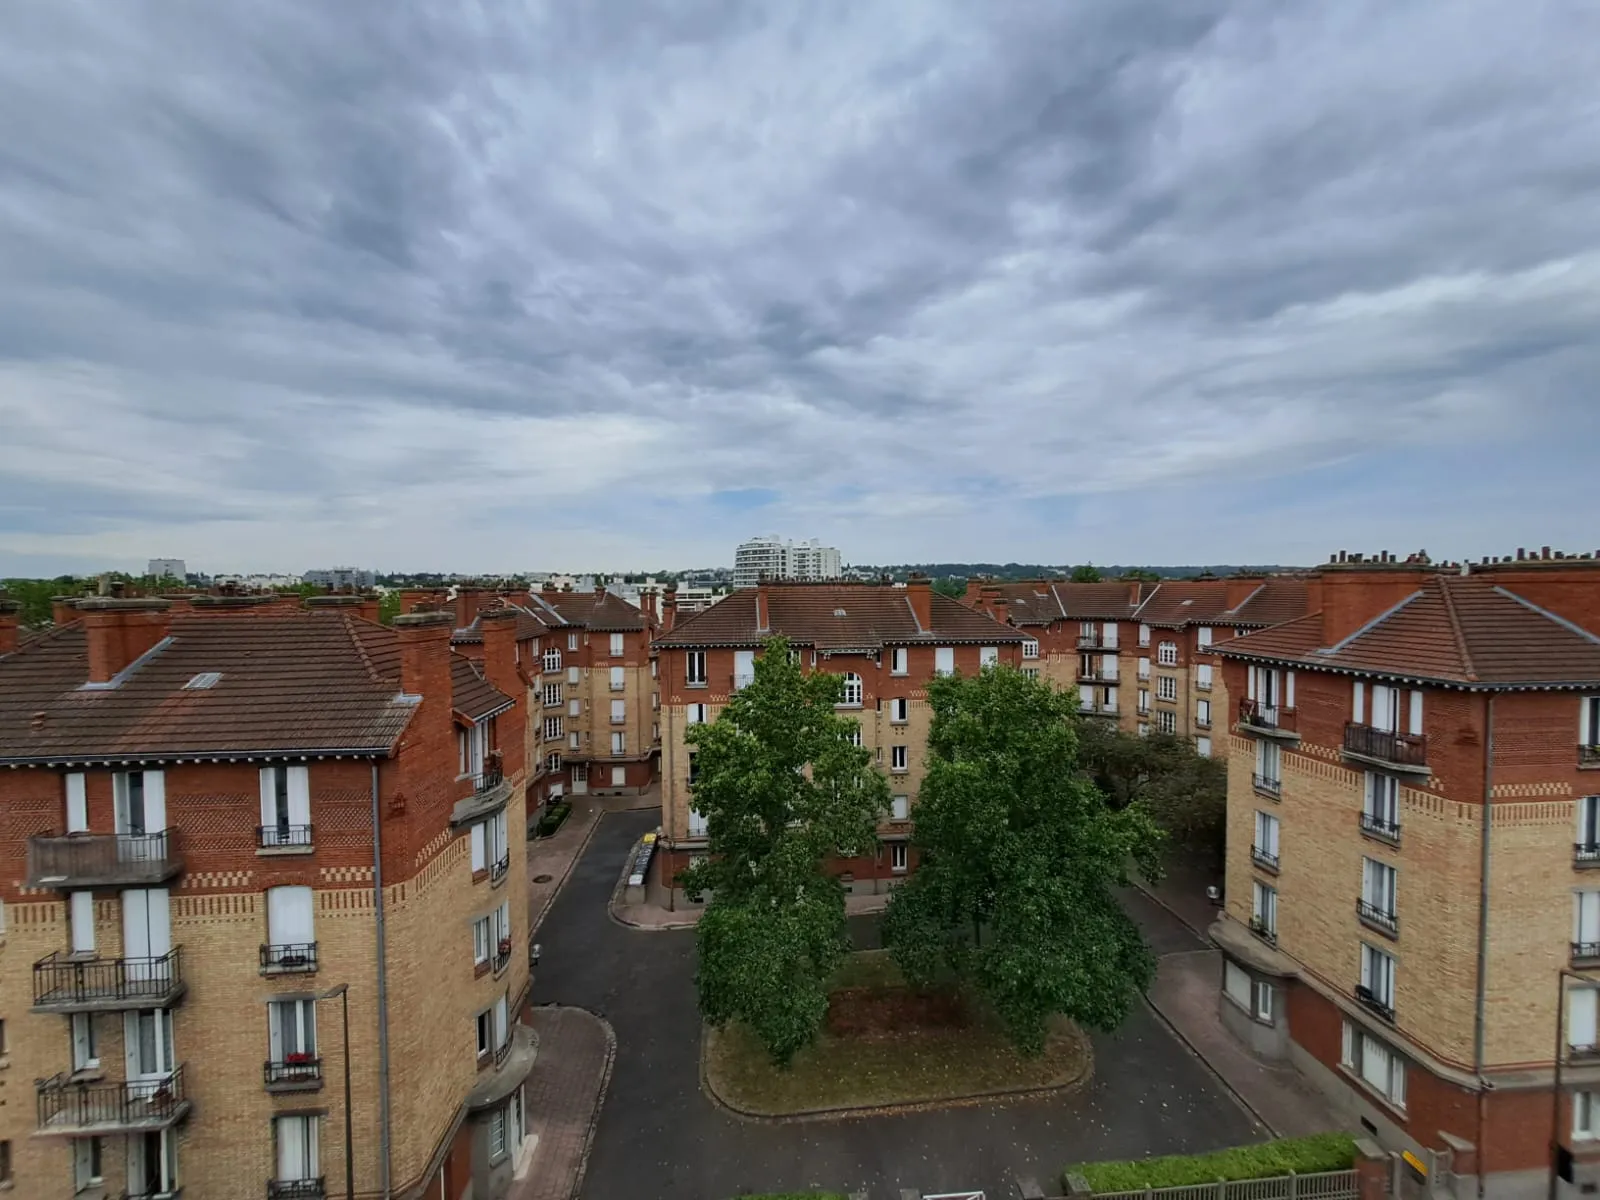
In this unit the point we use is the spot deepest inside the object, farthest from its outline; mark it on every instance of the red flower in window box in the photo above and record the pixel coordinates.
(299, 1059)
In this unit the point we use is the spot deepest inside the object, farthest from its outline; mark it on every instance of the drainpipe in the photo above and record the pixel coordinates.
(1483, 932)
(383, 991)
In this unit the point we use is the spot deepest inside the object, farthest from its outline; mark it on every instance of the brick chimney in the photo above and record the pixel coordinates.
(988, 597)
(920, 593)
(469, 603)
(63, 610)
(975, 585)
(647, 605)
(425, 653)
(1240, 588)
(763, 606)
(367, 610)
(8, 623)
(119, 631)
(1351, 598)
(411, 599)
(365, 607)
(499, 627)
(1001, 610)
(669, 609)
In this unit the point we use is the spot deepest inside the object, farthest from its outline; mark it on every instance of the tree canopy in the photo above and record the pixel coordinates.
(1086, 574)
(782, 787)
(1019, 856)
(1183, 791)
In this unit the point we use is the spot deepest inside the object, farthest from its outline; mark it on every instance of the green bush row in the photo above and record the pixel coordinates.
(793, 1196)
(1303, 1156)
(551, 821)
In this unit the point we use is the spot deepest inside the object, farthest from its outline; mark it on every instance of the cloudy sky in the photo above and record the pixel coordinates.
(509, 285)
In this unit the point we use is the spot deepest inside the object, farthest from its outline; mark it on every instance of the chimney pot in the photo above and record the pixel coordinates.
(919, 593)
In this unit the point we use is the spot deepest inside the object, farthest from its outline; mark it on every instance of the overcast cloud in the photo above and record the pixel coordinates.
(499, 285)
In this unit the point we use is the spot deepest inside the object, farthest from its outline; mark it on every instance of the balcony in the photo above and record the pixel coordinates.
(80, 861)
(1386, 748)
(65, 984)
(85, 1109)
(1377, 918)
(1094, 641)
(1268, 720)
(1373, 1003)
(297, 1189)
(499, 869)
(742, 679)
(1202, 685)
(1268, 787)
(1589, 757)
(285, 839)
(1264, 859)
(1586, 954)
(1586, 855)
(490, 791)
(1096, 674)
(289, 958)
(502, 955)
(1381, 828)
(295, 1073)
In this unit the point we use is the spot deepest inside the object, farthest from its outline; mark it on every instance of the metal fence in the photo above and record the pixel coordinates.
(1325, 1185)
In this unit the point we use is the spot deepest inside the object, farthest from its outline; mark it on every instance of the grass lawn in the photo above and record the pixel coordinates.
(908, 1062)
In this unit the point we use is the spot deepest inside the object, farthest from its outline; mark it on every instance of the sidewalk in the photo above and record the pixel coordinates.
(563, 1096)
(554, 856)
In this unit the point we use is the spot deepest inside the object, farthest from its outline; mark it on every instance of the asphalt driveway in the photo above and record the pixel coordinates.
(659, 1137)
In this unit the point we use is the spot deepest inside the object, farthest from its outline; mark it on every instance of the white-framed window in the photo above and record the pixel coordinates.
(1203, 635)
(1265, 847)
(88, 1159)
(285, 806)
(1202, 677)
(552, 729)
(655, 669)
(694, 668)
(897, 759)
(619, 777)
(85, 1042)
(484, 1029)
(1264, 908)
(497, 1134)
(552, 761)
(290, 920)
(1031, 672)
(1585, 1115)
(297, 1153)
(1249, 994)
(1372, 1061)
(1167, 687)
(572, 641)
(1167, 654)
(574, 707)
(1144, 635)
(1380, 806)
(697, 822)
(1144, 700)
(1167, 721)
(944, 660)
(852, 690)
(552, 695)
(1379, 883)
(1581, 1012)
(853, 734)
(552, 659)
(574, 740)
(291, 1030)
(619, 744)
(1202, 713)
(1377, 975)
(1144, 668)
(695, 714)
(1144, 729)
(80, 919)
(482, 940)
(1030, 648)
(619, 712)
(988, 656)
(1202, 747)
(897, 856)
(1589, 722)
(616, 645)
(900, 808)
(580, 772)
(618, 678)
(1585, 922)
(1589, 825)
(899, 710)
(1269, 763)
(898, 660)
(77, 802)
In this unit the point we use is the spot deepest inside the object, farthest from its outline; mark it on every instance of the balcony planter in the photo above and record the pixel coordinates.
(505, 945)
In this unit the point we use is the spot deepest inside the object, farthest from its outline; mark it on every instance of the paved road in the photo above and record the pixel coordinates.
(659, 1137)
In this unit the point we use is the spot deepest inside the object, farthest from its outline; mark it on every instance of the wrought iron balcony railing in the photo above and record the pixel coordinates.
(1373, 915)
(62, 983)
(1262, 929)
(499, 868)
(297, 1189)
(1264, 858)
(292, 1072)
(492, 775)
(1380, 827)
(65, 1106)
(1374, 1003)
(1586, 854)
(1585, 952)
(1272, 718)
(1267, 786)
(288, 958)
(1385, 745)
(86, 860)
(1589, 756)
(268, 836)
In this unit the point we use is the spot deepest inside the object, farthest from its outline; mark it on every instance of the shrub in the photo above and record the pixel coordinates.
(1304, 1156)
(551, 821)
(793, 1196)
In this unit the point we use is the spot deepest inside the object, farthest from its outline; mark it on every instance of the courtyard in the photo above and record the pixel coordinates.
(660, 1136)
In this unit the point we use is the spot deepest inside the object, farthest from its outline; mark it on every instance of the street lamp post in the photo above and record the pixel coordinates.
(343, 992)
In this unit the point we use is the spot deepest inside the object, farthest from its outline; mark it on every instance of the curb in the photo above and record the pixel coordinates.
(854, 1112)
(1205, 1062)
(614, 910)
(599, 1100)
(533, 926)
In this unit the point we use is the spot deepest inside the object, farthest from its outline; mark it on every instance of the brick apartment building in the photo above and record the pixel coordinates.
(886, 642)
(1411, 849)
(1141, 654)
(222, 820)
(592, 713)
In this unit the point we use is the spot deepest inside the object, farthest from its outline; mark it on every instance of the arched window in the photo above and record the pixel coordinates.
(852, 690)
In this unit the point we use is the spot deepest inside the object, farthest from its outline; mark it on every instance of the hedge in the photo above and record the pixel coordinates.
(1303, 1156)
(794, 1196)
(551, 821)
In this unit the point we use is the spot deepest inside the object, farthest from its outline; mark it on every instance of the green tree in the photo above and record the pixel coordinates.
(1019, 858)
(389, 606)
(1184, 792)
(1086, 574)
(950, 585)
(782, 788)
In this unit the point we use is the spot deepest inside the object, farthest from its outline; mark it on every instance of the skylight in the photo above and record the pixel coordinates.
(838, 612)
(206, 679)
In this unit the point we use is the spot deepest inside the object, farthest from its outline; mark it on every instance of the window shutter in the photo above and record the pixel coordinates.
(1416, 710)
(77, 804)
(1250, 675)
(619, 710)
(1581, 1017)
(1288, 689)
(81, 912)
(155, 801)
(299, 795)
(1360, 705)
(269, 797)
(480, 849)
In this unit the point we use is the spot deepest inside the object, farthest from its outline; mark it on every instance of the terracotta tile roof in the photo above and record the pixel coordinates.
(1278, 599)
(1453, 629)
(1180, 602)
(837, 617)
(311, 683)
(471, 695)
(1041, 602)
(600, 611)
(528, 626)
